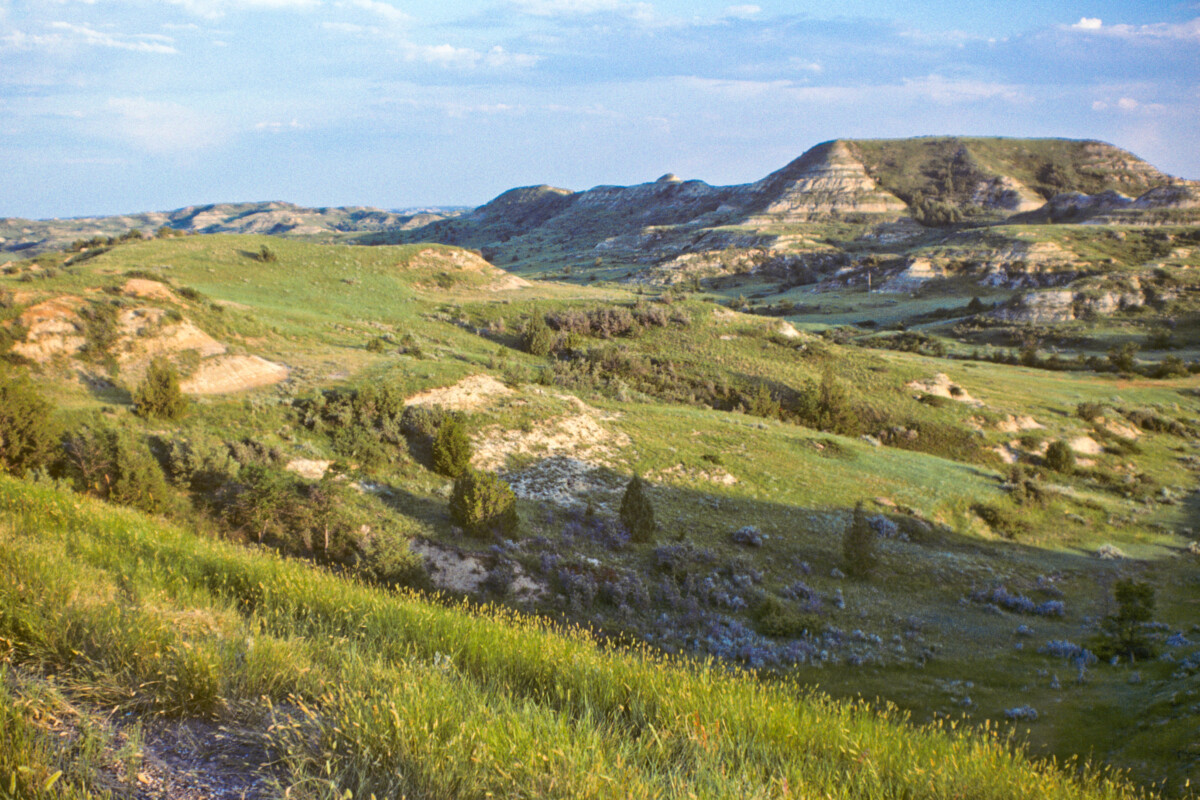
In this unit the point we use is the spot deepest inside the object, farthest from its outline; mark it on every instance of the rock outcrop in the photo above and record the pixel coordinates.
(826, 180)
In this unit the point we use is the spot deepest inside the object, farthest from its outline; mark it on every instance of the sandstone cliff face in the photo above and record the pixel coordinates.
(826, 180)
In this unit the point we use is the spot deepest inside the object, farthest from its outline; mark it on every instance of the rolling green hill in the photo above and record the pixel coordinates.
(319, 376)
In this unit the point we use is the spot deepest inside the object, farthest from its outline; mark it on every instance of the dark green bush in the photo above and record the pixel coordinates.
(1124, 633)
(1060, 457)
(113, 465)
(637, 513)
(1000, 521)
(158, 395)
(773, 617)
(423, 421)
(536, 338)
(1089, 411)
(827, 406)
(1023, 487)
(29, 435)
(200, 464)
(388, 559)
(858, 545)
(451, 449)
(483, 505)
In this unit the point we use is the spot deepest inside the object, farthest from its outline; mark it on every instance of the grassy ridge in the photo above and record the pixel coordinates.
(384, 693)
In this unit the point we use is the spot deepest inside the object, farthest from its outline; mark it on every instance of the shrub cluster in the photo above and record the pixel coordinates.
(28, 432)
(608, 322)
(483, 505)
(158, 396)
(115, 466)
(363, 424)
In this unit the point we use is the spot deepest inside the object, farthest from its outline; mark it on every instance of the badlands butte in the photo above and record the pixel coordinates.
(913, 422)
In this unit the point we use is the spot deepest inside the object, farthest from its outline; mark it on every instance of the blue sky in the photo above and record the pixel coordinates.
(111, 106)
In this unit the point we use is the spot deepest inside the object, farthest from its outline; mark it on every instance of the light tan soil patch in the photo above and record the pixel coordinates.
(232, 373)
(787, 330)
(1085, 445)
(459, 259)
(578, 436)
(149, 290)
(51, 327)
(1117, 428)
(145, 336)
(311, 468)
(940, 385)
(1007, 455)
(471, 392)
(1016, 424)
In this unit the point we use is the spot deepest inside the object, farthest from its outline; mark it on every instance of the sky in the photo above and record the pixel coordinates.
(121, 106)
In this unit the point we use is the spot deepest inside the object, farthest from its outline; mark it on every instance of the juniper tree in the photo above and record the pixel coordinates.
(158, 395)
(451, 449)
(858, 545)
(483, 504)
(637, 513)
(28, 435)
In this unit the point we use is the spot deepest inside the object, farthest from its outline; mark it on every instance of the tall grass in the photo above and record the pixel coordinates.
(390, 694)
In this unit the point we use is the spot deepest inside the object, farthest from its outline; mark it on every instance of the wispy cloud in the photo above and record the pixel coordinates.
(214, 9)
(450, 56)
(385, 10)
(1188, 31)
(65, 34)
(279, 127)
(143, 43)
(580, 8)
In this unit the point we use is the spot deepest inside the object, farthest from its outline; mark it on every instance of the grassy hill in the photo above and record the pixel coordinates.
(757, 439)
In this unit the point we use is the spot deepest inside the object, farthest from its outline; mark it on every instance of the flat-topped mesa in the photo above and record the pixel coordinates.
(826, 180)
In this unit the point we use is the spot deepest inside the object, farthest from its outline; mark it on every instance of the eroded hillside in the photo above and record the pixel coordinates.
(1003, 501)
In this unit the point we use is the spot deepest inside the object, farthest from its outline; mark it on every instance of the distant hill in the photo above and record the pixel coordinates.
(934, 181)
(31, 237)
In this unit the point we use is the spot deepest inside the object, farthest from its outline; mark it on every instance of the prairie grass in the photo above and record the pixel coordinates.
(393, 694)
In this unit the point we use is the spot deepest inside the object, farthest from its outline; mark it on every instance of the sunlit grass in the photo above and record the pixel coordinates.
(389, 693)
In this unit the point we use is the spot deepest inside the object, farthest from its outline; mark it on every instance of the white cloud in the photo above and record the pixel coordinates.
(20, 40)
(1128, 106)
(279, 127)
(386, 10)
(743, 12)
(447, 55)
(579, 8)
(212, 9)
(66, 34)
(1178, 31)
(160, 127)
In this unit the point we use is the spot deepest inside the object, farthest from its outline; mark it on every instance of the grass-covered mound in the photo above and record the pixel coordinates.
(361, 691)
